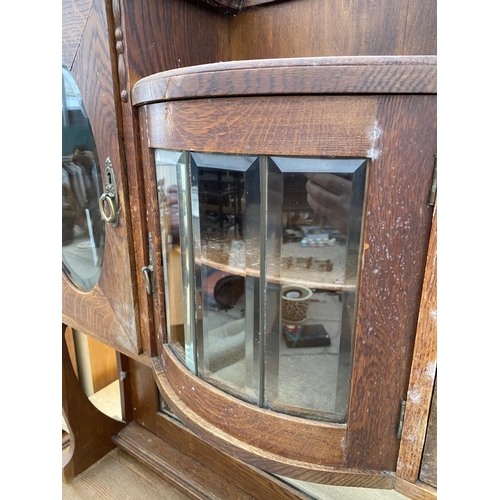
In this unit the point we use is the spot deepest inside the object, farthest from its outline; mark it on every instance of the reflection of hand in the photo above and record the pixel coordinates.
(329, 195)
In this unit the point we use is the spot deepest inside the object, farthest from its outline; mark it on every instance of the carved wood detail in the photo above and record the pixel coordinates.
(122, 70)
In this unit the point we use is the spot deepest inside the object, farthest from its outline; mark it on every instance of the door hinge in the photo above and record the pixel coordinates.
(433, 188)
(150, 270)
(401, 418)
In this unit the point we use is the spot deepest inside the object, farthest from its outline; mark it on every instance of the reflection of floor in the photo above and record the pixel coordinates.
(296, 377)
(80, 256)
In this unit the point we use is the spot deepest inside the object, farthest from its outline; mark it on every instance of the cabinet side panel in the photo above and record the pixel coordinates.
(172, 34)
(303, 28)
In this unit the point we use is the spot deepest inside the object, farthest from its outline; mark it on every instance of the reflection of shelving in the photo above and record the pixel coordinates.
(220, 200)
(217, 254)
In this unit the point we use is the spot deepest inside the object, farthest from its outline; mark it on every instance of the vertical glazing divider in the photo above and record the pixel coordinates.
(263, 276)
(197, 269)
(188, 263)
(253, 280)
(271, 248)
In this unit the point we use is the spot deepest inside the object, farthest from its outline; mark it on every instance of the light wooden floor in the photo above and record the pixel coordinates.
(119, 476)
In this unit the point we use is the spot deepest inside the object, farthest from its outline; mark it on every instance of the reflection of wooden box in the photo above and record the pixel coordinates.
(306, 336)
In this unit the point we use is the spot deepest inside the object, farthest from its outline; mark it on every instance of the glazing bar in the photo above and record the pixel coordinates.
(188, 267)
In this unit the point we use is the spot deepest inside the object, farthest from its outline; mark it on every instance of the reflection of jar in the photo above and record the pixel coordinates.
(295, 303)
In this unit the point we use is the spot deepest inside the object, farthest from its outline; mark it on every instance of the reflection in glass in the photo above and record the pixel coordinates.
(82, 227)
(266, 251)
(170, 172)
(314, 223)
(226, 222)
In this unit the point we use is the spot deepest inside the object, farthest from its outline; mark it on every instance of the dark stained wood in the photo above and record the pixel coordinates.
(143, 390)
(397, 226)
(275, 464)
(423, 372)
(162, 35)
(109, 312)
(248, 475)
(147, 37)
(184, 472)
(123, 364)
(307, 28)
(251, 479)
(428, 469)
(321, 75)
(282, 125)
(153, 217)
(194, 476)
(74, 17)
(90, 430)
(230, 6)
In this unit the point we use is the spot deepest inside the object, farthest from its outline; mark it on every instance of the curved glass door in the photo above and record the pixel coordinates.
(82, 226)
(266, 251)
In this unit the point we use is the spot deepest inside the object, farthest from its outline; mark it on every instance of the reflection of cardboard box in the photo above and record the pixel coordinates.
(306, 336)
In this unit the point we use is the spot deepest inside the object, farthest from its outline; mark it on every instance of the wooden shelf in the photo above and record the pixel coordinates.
(217, 254)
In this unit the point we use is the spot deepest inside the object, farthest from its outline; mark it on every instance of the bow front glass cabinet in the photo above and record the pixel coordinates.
(290, 223)
(249, 224)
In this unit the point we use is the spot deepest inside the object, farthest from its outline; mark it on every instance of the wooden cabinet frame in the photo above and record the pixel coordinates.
(108, 312)
(383, 109)
(110, 45)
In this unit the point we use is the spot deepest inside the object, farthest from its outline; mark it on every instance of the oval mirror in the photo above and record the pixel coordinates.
(82, 226)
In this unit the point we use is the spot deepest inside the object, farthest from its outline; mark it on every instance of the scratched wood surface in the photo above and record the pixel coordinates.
(397, 227)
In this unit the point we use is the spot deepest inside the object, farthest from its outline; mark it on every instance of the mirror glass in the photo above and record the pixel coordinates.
(82, 226)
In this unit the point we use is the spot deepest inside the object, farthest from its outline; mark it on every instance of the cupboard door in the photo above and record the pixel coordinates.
(205, 151)
(103, 306)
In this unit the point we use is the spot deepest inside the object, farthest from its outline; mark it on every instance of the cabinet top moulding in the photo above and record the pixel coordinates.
(311, 75)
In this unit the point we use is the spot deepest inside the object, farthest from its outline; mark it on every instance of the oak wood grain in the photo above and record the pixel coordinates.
(282, 125)
(252, 480)
(396, 234)
(423, 371)
(152, 38)
(184, 472)
(267, 461)
(108, 312)
(308, 28)
(290, 437)
(316, 75)
(162, 35)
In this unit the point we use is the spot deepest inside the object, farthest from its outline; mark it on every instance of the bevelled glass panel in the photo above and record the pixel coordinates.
(82, 226)
(314, 214)
(171, 178)
(261, 260)
(226, 209)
